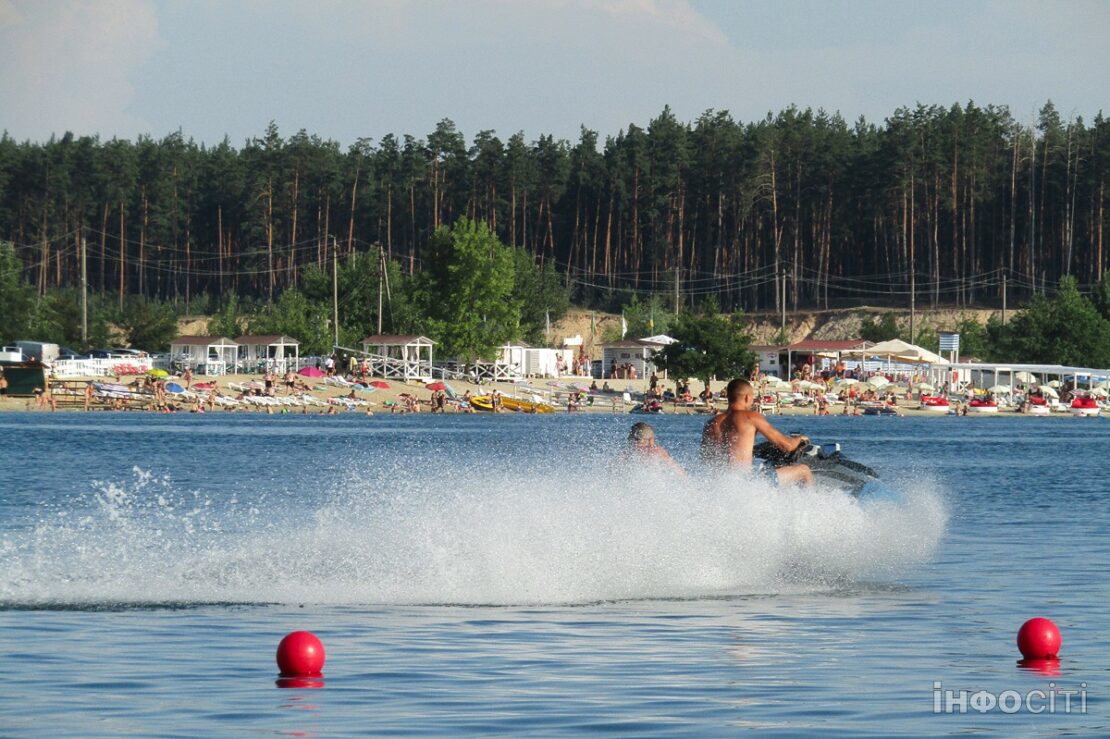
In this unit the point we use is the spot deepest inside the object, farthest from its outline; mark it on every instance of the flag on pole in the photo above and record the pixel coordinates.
(547, 319)
(593, 326)
(651, 321)
(624, 326)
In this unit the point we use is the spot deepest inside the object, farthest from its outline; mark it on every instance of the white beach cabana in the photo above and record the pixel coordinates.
(399, 357)
(509, 366)
(209, 355)
(273, 352)
(636, 352)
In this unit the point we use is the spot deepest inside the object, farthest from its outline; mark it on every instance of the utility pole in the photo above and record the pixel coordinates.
(677, 279)
(84, 296)
(913, 302)
(913, 287)
(381, 284)
(783, 303)
(1003, 298)
(335, 289)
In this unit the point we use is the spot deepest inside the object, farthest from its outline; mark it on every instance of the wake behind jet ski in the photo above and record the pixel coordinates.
(830, 468)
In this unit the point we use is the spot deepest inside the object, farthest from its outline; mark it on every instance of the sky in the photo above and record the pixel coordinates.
(350, 69)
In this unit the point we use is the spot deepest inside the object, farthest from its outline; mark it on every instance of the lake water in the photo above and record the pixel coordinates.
(503, 575)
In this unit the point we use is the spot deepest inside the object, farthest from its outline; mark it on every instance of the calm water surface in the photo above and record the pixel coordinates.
(506, 576)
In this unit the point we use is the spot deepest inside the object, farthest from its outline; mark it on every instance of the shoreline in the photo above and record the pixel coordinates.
(380, 399)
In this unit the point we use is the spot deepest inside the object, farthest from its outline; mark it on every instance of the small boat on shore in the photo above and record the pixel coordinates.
(1037, 405)
(514, 405)
(982, 406)
(1084, 406)
(935, 403)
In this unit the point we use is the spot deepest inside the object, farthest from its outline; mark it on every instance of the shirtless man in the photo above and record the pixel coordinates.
(642, 448)
(729, 437)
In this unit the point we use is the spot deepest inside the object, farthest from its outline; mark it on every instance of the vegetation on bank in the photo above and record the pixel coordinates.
(944, 202)
(482, 293)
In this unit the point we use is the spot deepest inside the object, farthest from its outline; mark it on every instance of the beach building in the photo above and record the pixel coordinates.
(544, 362)
(399, 357)
(637, 354)
(510, 364)
(275, 352)
(779, 359)
(958, 376)
(207, 355)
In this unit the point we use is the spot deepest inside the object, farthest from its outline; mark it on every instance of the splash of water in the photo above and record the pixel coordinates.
(463, 535)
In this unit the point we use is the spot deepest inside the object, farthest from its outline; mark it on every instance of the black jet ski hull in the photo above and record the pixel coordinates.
(830, 468)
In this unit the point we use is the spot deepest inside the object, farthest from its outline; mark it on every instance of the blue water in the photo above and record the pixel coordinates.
(504, 575)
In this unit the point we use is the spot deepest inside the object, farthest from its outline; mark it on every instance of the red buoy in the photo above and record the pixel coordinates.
(300, 654)
(1038, 638)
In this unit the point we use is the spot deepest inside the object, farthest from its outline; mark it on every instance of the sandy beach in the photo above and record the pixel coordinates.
(383, 400)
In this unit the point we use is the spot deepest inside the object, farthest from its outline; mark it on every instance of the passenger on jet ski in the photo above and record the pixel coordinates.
(729, 438)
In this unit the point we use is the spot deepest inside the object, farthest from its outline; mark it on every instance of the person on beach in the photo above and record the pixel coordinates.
(729, 437)
(187, 378)
(643, 449)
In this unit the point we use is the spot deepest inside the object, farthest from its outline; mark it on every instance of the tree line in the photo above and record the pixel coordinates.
(798, 210)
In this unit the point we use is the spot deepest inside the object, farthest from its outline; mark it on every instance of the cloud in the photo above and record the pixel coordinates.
(69, 64)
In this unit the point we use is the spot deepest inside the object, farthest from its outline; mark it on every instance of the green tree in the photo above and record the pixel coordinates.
(647, 318)
(228, 321)
(1064, 329)
(15, 296)
(295, 315)
(541, 294)
(147, 324)
(466, 291)
(975, 340)
(884, 329)
(1101, 296)
(707, 346)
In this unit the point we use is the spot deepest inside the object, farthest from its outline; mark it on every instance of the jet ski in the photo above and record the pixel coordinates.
(830, 468)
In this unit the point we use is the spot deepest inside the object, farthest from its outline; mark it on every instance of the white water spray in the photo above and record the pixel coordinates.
(465, 536)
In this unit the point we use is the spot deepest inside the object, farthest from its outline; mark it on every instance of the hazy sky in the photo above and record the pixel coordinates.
(345, 69)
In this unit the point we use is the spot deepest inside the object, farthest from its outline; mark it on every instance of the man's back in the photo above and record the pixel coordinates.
(728, 437)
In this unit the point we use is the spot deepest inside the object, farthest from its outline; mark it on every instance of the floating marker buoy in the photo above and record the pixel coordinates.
(1038, 638)
(300, 654)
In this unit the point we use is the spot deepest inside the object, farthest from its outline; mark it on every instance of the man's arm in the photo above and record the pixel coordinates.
(783, 442)
(668, 461)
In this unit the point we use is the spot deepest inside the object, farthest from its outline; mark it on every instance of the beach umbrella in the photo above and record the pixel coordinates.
(434, 386)
(173, 387)
(1054, 383)
(999, 389)
(1100, 392)
(310, 372)
(1025, 377)
(1048, 392)
(774, 383)
(380, 384)
(158, 373)
(878, 381)
(847, 381)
